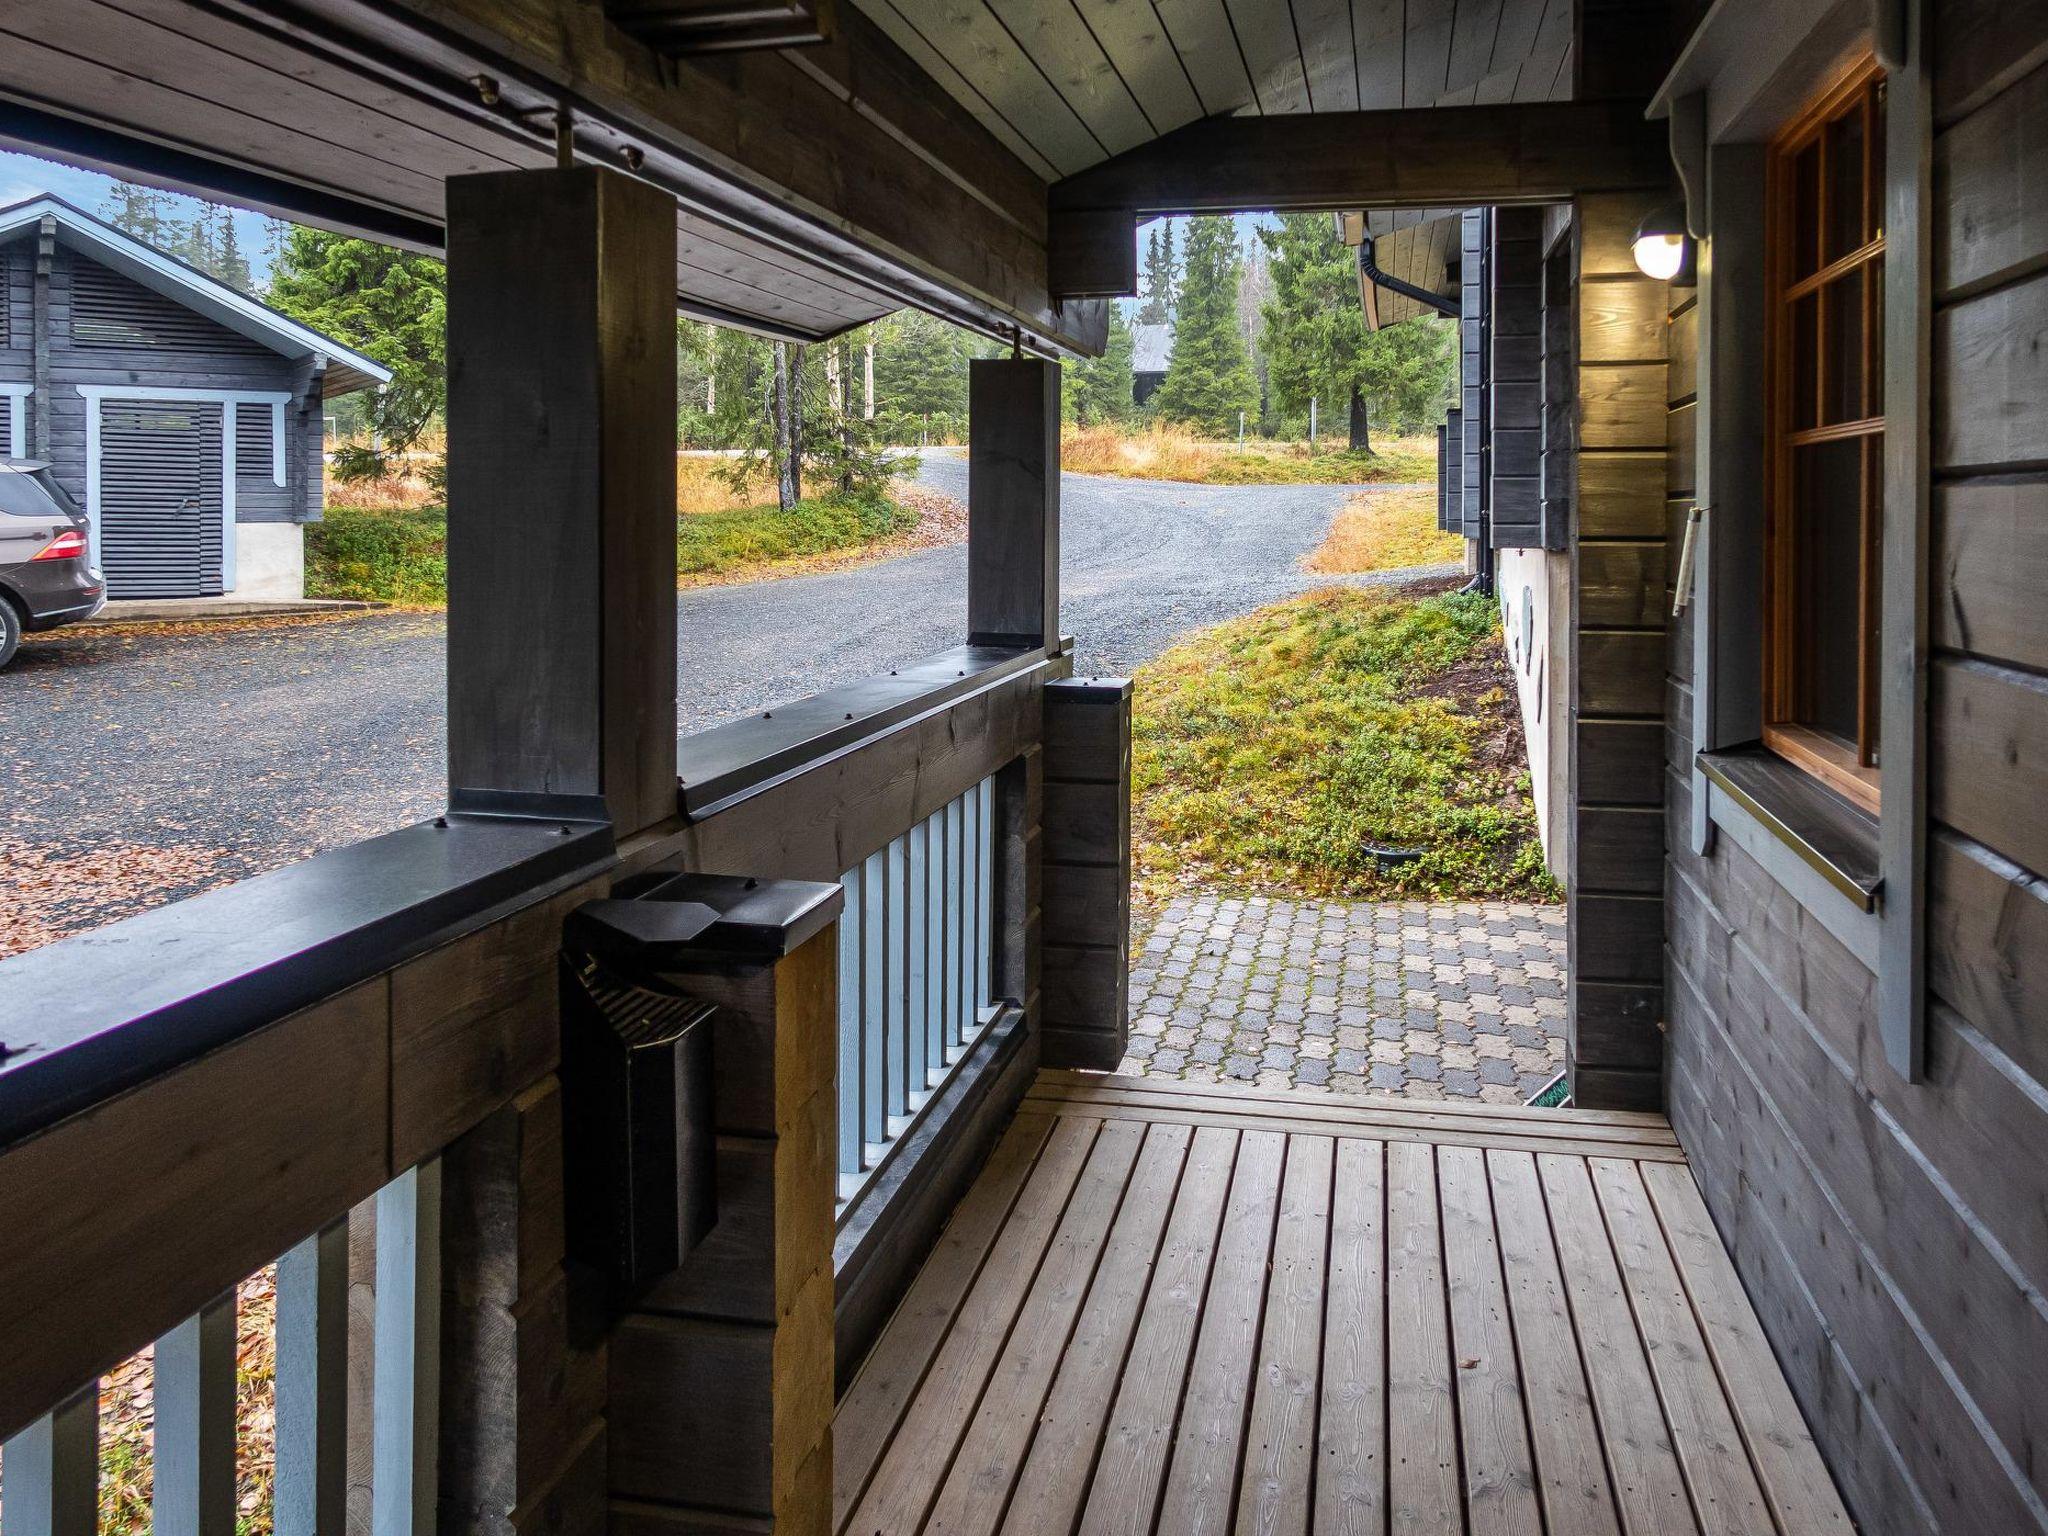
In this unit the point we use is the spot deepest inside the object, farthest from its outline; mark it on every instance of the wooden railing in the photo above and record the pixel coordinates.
(275, 1102)
(914, 983)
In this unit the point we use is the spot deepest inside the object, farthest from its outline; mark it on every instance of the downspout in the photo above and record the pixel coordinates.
(1392, 284)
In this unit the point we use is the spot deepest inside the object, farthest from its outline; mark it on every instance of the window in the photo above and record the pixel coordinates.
(1825, 398)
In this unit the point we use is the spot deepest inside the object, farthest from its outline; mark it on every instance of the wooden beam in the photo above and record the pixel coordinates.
(1436, 157)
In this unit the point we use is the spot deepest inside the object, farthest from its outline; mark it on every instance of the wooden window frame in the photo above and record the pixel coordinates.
(1853, 773)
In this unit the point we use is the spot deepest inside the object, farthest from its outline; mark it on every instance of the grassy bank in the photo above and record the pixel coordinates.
(1385, 531)
(399, 555)
(1169, 453)
(1272, 750)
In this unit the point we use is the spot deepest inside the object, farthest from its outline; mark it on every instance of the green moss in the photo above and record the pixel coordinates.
(1271, 751)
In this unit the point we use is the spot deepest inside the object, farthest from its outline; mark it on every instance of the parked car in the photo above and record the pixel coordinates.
(47, 576)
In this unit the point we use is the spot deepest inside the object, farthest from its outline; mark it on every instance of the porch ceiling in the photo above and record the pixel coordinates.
(341, 116)
(1068, 83)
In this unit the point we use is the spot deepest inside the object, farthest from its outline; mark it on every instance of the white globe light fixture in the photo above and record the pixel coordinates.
(1662, 246)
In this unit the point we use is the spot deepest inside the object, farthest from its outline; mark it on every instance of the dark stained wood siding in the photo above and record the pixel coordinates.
(1618, 683)
(1895, 1237)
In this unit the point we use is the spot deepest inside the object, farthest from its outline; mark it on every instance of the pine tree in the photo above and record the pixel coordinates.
(1099, 388)
(1318, 347)
(1210, 379)
(229, 264)
(139, 211)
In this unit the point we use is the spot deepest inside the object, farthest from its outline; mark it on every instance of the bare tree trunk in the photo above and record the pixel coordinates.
(788, 486)
(868, 393)
(1361, 423)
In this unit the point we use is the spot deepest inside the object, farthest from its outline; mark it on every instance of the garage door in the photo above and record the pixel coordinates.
(160, 499)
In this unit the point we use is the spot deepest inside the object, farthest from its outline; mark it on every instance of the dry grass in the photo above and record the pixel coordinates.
(1161, 452)
(704, 484)
(1385, 531)
(407, 492)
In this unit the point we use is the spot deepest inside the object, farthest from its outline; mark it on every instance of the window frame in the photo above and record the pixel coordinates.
(1852, 771)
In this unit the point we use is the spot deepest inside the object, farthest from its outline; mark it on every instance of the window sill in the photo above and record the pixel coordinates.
(1837, 839)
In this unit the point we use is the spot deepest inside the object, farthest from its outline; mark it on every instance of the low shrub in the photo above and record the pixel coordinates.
(382, 555)
(709, 543)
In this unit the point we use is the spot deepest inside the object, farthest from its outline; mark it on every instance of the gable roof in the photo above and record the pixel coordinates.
(1151, 347)
(347, 369)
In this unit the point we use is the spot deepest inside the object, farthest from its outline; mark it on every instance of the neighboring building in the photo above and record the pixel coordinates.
(1151, 355)
(183, 415)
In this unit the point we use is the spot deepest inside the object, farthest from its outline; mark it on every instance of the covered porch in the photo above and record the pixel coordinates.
(874, 1248)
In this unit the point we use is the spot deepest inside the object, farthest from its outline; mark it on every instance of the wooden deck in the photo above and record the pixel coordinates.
(1192, 1310)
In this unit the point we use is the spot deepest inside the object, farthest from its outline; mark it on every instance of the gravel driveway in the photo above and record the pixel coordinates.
(161, 761)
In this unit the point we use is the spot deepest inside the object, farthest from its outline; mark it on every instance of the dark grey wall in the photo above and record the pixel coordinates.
(205, 355)
(1894, 1236)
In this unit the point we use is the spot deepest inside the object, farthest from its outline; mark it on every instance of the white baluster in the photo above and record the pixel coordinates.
(52, 1471)
(405, 1430)
(193, 1444)
(312, 1385)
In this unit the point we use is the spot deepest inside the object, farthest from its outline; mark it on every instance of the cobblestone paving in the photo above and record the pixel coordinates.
(1462, 1000)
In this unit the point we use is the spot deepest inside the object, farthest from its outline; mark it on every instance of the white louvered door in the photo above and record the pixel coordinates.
(160, 499)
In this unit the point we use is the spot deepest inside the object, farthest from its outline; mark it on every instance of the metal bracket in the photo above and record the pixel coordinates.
(1681, 586)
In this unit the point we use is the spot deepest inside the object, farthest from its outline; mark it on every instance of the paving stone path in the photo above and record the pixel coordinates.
(1454, 1000)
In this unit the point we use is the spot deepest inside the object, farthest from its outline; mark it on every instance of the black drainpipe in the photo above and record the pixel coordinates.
(1392, 284)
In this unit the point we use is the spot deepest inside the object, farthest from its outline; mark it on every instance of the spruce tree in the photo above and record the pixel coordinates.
(1210, 378)
(1317, 345)
(1099, 388)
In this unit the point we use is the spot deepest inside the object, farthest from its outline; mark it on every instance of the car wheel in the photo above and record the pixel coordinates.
(10, 631)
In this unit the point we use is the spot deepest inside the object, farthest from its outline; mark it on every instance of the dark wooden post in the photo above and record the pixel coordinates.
(1013, 502)
(1087, 872)
(722, 1378)
(1616, 843)
(561, 495)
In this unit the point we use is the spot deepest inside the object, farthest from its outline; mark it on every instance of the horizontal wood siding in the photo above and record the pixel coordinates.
(1895, 1237)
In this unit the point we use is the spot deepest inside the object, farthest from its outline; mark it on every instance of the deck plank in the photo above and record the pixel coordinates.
(1280, 1446)
(1424, 1132)
(1795, 1481)
(1351, 1452)
(1047, 1498)
(1354, 1109)
(917, 1457)
(1571, 1471)
(1493, 1423)
(977, 1486)
(1449, 1109)
(1199, 1312)
(1201, 1483)
(1422, 1467)
(1725, 1492)
(1649, 1490)
(875, 1402)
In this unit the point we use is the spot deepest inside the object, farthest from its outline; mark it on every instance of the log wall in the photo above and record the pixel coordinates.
(1894, 1236)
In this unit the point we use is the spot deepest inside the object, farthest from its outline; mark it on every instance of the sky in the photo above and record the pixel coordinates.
(25, 176)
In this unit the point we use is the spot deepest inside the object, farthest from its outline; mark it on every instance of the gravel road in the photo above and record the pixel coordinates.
(219, 752)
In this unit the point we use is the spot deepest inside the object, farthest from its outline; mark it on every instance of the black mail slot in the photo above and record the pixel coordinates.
(638, 1141)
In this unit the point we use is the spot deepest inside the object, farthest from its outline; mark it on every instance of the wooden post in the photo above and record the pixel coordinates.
(721, 1378)
(522, 1409)
(561, 495)
(1087, 913)
(1013, 502)
(1615, 849)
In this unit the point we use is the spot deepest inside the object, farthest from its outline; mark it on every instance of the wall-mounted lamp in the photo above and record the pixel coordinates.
(1662, 248)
